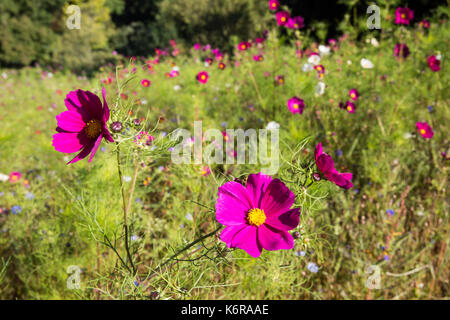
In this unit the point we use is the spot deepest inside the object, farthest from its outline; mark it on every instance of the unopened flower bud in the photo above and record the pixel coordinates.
(136, 122)
(116, 126)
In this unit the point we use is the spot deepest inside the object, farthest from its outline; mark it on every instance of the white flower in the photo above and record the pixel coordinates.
(366, 63)
(320, 88)
(4, 177)
(324, 50)
(307, 67)
(438, 56)
(144, 101)
(407, 135)
(272, 125)
(50, 75)
(176, 87)
(175, 68)
(4, 75)
(314, 59)
(349, 62)
(374, 42)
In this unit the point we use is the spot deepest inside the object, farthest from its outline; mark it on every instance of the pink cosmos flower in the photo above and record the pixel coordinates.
(274, 5)
(174, 73)
(145, 82)
(325, 164)
(257, 216)
(279, 80)
(282, 17)
(434, 63)
(244, 45)
(349, 106)
(83, 125)
(205, 171)
(202, 77)
(425, 130)
(295, 23)
(403, 15)
(319, 68)
(209, 61)
(401, 50)
(354, 94)
(296, 105)
(197, 46)
(14, 176)
(258, 57)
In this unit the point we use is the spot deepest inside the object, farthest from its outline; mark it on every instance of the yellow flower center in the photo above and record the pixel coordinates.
(403, 16)
(353, 95)
(295, 105)
(203, 77)
(422, 131)
(349, 108)
(93, 128)
(283, 19)
(256, 217)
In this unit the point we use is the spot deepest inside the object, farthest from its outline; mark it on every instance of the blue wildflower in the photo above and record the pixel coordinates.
(16, 209)
(430, 108)
(339, 153)
(390, 212)
(29, 196)
(313, 267)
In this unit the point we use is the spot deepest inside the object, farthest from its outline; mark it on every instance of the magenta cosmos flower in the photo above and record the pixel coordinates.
(434, 63)
(14, 176)
(145, 82)
(274, 5)
(295, 23)
(403, 15)
(349, 106)
(425, 130)
(244, 45)
(83, 125)
(296, 105)
(354, 94)
(202, 77)
(257, 216)
(401, 50)
(258, 57)
(282, 17)
(325, 164)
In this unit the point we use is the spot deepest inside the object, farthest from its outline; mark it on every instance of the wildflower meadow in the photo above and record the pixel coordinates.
(280, 166)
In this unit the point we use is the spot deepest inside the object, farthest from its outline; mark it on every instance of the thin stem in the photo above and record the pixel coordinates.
(190, 245)
(125, 224)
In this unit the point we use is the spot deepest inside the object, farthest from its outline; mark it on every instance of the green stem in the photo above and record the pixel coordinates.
(125, 224)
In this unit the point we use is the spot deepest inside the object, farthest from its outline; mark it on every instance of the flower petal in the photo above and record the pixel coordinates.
(256, 186)
(67, 142)
(84, 152)
(232, 204)
(318, 150)
(285, 221)
(277, 198)
(86, 103)
(325, 163)
(70, 121)
(228, 233)
(96, 145)
(105, 106)
(246, 239)
(271, 239)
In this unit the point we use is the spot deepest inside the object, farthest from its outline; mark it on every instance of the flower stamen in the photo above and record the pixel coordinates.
(256, 217)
